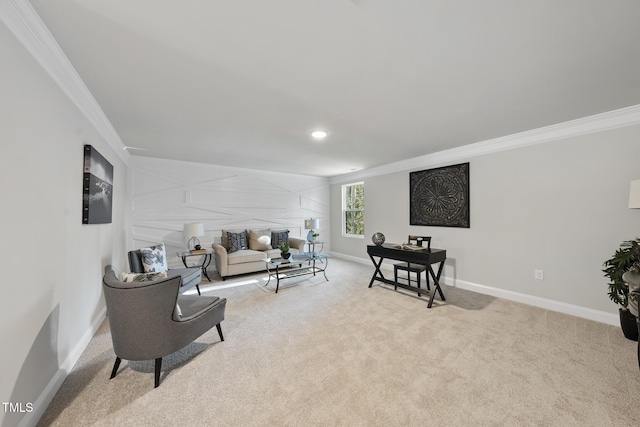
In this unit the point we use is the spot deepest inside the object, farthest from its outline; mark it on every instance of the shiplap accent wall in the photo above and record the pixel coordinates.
(167, 194)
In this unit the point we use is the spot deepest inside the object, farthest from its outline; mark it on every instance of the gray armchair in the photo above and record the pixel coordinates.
(146, 322)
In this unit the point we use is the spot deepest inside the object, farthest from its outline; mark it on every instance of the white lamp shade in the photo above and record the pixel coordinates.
(634, 194)
(311, 224)
(193, 229)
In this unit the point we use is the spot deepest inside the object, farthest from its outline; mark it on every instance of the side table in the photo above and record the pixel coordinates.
(312, 246)
(206, 260)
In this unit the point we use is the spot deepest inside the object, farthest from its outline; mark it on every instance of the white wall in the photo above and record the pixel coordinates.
(167, 194)
(51, 264)
(560, 206)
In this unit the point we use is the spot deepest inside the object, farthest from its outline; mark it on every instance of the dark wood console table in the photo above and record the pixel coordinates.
(426, 257)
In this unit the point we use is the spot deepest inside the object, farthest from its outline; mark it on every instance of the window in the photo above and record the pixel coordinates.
(353, 210)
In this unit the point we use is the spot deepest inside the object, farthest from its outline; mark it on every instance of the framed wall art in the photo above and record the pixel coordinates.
(440, 196)
(97, 188)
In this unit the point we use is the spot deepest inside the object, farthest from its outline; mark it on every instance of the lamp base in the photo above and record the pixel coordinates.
(310, 236)
(193, 243)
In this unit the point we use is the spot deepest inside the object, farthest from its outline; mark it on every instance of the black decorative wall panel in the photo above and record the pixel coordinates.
(440, 196)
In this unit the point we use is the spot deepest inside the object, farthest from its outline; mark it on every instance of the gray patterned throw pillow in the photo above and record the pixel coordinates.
(154, 259)
(279, 236)
(237, 241)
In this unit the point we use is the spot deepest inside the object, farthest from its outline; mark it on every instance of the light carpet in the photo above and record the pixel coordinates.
(336, 353)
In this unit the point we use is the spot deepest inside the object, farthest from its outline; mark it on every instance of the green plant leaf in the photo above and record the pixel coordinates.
(625, 258)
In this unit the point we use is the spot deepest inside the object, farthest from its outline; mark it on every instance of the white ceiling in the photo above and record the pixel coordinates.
(241, 83)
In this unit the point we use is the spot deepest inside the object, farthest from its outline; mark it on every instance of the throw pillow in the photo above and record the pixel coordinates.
(142, 277)
(260, 240)
(237, 241)
(154, 259)
(279, 236)
(224, 237)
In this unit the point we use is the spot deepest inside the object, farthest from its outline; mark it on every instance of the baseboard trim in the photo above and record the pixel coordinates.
(560, 307)
(547, 304)
(43, 401)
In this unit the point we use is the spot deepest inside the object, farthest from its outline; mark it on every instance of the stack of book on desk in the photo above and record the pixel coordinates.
(406, 246)
(413, 247)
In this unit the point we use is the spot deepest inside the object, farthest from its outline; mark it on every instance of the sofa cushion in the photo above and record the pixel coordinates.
(142, 277)
(279, 236)
(237, 241)
(260, 240)
(224, 237)
(274, 253)
(154, 258)
(240, 257)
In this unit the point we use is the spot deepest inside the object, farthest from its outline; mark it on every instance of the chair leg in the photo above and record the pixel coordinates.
(395, 277)
(198, 288)
(418, 274)
(158, 367)
(220, 332)
(115, 367)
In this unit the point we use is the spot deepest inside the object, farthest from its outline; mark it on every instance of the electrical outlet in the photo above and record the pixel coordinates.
(538, 274)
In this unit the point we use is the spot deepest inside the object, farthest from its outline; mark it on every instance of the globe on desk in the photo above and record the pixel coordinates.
(377, 238)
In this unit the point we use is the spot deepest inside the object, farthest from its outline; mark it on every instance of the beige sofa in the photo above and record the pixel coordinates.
(232, 256)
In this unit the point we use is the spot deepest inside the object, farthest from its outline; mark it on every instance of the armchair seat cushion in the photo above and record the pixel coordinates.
(187, 274)
(192, 306)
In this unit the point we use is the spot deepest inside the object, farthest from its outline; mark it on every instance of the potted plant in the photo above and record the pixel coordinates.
(626, 257)
(284, 250)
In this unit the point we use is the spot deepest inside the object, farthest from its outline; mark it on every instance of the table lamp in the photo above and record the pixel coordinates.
(311, 224)
(192, 232)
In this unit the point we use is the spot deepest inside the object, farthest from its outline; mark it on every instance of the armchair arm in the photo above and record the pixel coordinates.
(297, 243)
(221, 259)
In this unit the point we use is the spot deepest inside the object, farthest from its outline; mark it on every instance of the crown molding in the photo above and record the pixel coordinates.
(25, 23)
(623, 117)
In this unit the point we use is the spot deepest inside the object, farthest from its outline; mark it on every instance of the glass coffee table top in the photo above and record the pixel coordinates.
(298, 258)
(296, 265)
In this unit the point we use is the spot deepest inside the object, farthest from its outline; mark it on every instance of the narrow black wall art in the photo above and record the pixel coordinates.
(440, 196)
(97, 188)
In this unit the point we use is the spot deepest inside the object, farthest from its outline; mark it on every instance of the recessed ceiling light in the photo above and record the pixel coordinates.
(319, 134)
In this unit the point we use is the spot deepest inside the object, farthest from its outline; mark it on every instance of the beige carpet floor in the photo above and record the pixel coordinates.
(335, 353)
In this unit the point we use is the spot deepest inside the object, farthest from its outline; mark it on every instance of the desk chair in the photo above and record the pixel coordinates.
(411, 267)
